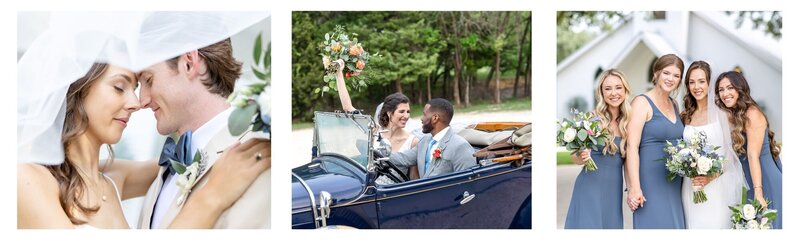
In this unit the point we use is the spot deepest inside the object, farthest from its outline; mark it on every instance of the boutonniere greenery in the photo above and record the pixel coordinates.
(188, 175)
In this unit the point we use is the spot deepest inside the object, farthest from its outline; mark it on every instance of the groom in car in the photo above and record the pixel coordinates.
(188, 95)
(441, 150)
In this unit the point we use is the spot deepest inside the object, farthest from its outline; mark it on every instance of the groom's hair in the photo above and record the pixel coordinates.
(223, 69)
(443, 108)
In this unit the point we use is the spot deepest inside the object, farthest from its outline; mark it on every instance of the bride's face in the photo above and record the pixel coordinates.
(109, 104)
(613, 91)
(698, 84)
(401, 115)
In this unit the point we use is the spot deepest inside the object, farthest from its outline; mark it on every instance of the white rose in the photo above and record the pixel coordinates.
(703, 165)
(570, 134)
(752, 224)
(264, 102)
(749, 212)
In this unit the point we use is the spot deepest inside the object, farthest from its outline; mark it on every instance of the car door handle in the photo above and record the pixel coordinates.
(466, 197)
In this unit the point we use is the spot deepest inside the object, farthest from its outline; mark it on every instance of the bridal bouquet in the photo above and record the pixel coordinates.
(693, 158)
(338, 45)
(253, 102)
(750, 214)
(583, 131)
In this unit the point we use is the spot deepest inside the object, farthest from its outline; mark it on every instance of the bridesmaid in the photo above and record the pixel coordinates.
(753, 141)
(655, 201)
(597, 195)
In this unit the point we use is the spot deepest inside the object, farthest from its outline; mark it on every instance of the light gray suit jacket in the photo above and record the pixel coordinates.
(456, 155)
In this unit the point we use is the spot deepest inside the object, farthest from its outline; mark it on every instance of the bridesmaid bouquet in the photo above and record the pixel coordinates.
(749, 214)
(583, 131)
(693, 158)
(338, 45)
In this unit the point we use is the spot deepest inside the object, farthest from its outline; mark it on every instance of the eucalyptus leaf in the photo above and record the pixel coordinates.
(240, 119)
(259, 74)
(257, 50)
(582, 135)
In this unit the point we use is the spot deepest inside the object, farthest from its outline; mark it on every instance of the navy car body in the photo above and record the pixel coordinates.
(338, 188)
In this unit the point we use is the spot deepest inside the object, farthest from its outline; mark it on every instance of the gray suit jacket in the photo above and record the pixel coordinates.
(456, 155)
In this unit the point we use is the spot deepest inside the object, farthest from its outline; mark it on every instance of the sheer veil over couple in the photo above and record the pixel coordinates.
(77, 91)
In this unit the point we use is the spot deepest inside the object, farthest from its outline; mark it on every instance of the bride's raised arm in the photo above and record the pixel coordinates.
(341, 87)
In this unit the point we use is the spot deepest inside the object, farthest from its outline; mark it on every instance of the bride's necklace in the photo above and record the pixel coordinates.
(97, 185)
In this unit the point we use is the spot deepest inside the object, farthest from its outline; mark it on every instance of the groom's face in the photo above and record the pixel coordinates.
(164, 91)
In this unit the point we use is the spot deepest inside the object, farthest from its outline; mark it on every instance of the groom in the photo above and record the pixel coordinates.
(188, 95)
(440, 152)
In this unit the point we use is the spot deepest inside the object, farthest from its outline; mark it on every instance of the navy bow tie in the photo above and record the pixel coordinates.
(180, 152)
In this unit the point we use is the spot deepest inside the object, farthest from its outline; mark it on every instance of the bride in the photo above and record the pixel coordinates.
(84, 100)
(392, 115)
(702, 115)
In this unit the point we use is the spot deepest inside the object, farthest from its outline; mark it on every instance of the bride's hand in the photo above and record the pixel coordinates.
(236, 169)
(340, 66)
(701, 181)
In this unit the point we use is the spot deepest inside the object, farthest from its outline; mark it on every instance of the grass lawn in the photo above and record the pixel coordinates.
(563, 158)
(521, 104)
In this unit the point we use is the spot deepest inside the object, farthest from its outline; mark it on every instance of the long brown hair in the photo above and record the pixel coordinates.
(605, 115)
(71, 180)
(738, 113)
(689, 102)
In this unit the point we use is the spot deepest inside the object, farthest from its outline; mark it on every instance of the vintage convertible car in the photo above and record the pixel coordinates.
(338, 188)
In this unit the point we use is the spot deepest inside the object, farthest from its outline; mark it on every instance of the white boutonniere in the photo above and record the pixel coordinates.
(188, 175)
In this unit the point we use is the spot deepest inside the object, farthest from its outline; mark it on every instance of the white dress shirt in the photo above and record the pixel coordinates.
(200, 138)
(438, 138)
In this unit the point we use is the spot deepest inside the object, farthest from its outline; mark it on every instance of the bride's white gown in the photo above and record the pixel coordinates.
(721, 192)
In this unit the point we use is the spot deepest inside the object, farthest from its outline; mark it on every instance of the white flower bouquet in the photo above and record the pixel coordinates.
(693, 158)
(583, 131)
(750, 214)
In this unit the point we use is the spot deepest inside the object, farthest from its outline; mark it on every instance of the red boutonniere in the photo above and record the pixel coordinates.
(437, 154)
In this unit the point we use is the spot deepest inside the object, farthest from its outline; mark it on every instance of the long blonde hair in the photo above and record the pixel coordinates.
(601, 110)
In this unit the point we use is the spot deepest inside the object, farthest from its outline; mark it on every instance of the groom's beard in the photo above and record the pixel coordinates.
(427, 127)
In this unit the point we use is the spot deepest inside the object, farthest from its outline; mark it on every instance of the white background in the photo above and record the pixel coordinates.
(544, 86)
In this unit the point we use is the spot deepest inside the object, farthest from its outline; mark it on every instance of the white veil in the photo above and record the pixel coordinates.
(74, 41)
(732, 179)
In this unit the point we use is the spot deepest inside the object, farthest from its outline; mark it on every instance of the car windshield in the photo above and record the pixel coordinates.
(345, 134)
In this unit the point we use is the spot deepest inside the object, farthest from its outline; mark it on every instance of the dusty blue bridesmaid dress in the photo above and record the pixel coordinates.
(771, 179)
(597, 196)
(663, 208)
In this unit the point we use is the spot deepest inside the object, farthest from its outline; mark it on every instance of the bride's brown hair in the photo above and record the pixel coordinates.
(72, 184)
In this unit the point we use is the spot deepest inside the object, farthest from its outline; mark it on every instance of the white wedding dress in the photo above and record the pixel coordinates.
(721, 192)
